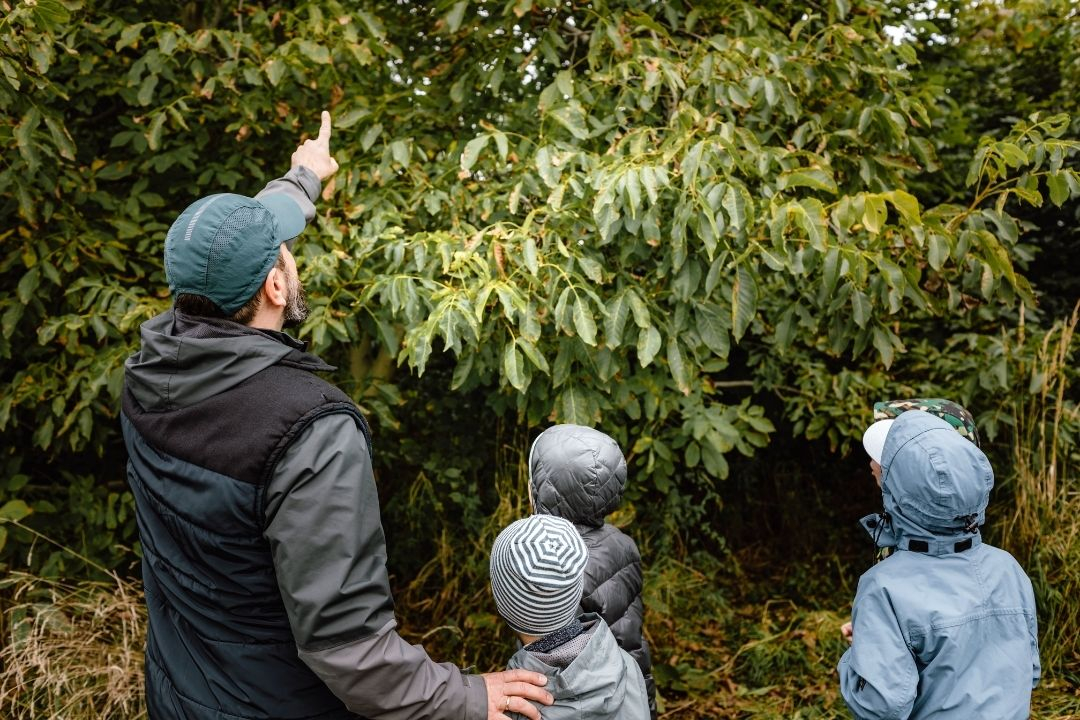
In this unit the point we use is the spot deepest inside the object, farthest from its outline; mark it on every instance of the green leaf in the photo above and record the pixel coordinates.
(502, 145)
(592, 269)
(744, 297)
(10, 73)
(860, 308)
(894, 276)
(809, 214)
(23, 132)
(350, 118)
(905, 204)
(997, 257)
(1007, 229)
(129, 36)
(146, 90)
(14, 510)
(785, 329)
(529, 254)
(830, 272)
(462, 371)
(648, 344)
(314, 52)
(574, 406)
(1058, 185)
(1012, 154)
(572, 117)
(712, 331)
(153, 133)
(814, 178)
(640, 310)
(472, 151)
(514, 366)
(584, 322)
(735, 205)
(883, 344)
(51, 14)
(370, 136)
(10, 319)
(874, 213)
(61, 138)
(648, 179)
(167, 42)
(938, 251)
(27, 285)
(419, 348)
(535, 356)
(633, 192)
(677, 365)
(618, 312)
(399, 150)
(456, 15)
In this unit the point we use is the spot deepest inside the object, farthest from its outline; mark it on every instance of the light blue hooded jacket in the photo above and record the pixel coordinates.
(945, 627)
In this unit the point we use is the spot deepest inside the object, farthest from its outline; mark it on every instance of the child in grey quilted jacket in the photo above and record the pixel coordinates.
(579, 473)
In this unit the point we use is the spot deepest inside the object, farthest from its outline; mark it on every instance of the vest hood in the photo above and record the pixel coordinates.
(577, 473)
(183, 360)
(935, 486)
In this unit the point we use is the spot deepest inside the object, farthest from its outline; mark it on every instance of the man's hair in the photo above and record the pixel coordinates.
(202, 306)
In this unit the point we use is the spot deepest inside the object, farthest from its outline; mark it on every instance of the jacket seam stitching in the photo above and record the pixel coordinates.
(290, 436)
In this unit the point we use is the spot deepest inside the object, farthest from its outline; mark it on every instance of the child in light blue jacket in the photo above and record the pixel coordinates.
(945, 626)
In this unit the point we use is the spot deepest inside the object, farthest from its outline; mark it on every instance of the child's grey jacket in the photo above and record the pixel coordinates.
(602, 682)
(945, 627)
(578, 473)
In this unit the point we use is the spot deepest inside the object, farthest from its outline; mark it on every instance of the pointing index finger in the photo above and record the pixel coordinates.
(324, 130)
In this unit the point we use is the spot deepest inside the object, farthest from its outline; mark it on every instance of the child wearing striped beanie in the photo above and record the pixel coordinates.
(537, 567)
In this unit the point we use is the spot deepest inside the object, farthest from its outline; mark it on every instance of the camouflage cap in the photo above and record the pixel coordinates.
(952, 413)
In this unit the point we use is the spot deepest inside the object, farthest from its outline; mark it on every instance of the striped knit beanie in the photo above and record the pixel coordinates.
(537, 565)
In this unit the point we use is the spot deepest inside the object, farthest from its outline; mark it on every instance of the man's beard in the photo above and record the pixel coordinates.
(296, 307)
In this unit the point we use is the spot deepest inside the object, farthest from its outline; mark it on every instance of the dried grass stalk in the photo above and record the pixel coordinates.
(72, 651)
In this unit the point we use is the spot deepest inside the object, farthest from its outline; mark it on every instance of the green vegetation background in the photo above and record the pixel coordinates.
(717, 230)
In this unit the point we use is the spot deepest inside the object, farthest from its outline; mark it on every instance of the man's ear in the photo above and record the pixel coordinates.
(275, 288)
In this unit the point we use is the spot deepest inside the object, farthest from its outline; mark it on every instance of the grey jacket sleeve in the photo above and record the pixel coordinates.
(326, 538)
(300, 184)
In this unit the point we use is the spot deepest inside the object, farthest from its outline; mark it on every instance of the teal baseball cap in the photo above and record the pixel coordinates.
(223, 246)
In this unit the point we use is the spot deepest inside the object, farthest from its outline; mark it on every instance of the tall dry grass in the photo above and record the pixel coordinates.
(72, 651)
(1043, 530)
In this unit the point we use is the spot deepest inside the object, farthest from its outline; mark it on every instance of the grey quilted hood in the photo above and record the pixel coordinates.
(576, 473)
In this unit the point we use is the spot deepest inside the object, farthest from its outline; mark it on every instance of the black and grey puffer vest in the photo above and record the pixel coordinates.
(219, 645)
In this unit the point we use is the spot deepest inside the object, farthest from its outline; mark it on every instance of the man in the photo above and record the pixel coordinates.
(263, 551)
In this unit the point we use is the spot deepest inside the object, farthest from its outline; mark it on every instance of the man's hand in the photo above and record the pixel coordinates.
(315, 154)
(510, 691)
(847, 632)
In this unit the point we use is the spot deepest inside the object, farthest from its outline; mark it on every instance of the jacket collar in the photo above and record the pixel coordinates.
(892, 530)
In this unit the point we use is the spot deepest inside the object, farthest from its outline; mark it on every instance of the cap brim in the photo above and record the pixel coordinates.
(287, 213)
(873, 440)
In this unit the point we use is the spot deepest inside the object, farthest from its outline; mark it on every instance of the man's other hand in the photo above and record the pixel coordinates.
(509, 691)
(314, 154)
(847, 632)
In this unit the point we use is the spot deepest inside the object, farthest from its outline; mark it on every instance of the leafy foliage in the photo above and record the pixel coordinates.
(688, 223)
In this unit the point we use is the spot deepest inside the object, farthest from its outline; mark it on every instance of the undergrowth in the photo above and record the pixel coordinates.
(747, 628)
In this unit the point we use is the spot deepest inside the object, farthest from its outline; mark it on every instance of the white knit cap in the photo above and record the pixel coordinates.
(537, 566)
